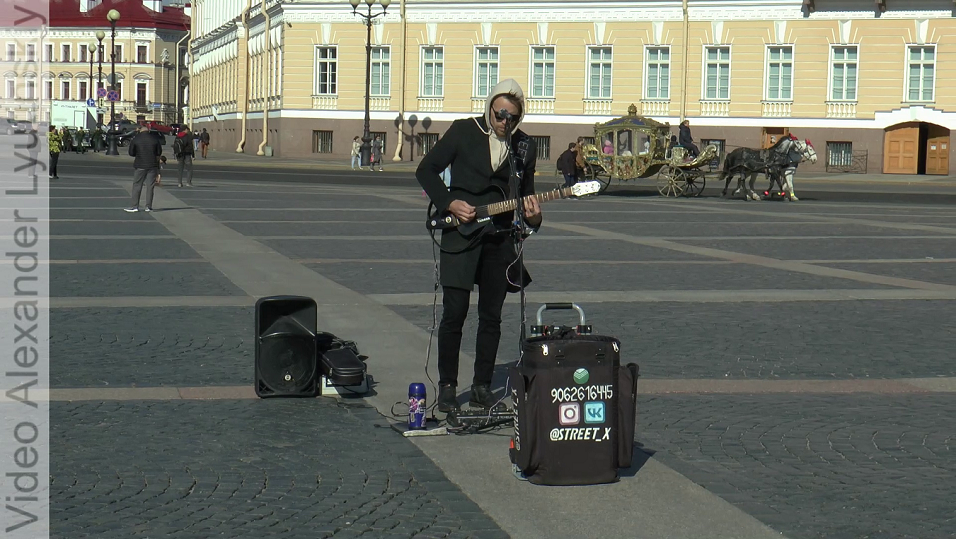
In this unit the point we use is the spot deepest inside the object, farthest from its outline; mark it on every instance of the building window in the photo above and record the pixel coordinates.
(717, 73)
(543, 147)
(66, 53)
(381, 70)
(118, 51)
(48, 53)
(542, 72)
(142, 54)
(141, 92)
(839, 154)
(922, 67)
(321, 142)
(119, 89)
(65, 90)
(83, 58)
(31, 89)
(433, 68)
(11, 52)
(658, 73)
(427, 141)
(82, 90)
(780, 73)
(326, 70)
(843, 74)
(599, 72)
(380, 134)
(486, 70)
(11, 89)
(48, 90)
(31, 52)
(100, 53)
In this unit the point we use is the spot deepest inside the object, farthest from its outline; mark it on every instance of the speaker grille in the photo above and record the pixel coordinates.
(291, 366)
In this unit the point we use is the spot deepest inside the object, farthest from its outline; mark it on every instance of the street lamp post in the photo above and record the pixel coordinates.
(113, 16)
(89, 49)
(99, 37)
(367, 19)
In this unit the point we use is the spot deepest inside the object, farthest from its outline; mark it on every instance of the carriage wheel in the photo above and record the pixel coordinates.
(670, 181)
(595, 173)
(694, 183)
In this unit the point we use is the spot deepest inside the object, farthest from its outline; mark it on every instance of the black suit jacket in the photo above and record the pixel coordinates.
(465, 147)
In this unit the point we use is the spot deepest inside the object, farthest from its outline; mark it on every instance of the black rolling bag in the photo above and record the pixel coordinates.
(575, 405)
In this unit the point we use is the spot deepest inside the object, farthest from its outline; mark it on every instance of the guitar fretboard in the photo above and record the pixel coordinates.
(510, 205)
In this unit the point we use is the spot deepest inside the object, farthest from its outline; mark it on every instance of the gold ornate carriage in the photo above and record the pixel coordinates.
(634, 146)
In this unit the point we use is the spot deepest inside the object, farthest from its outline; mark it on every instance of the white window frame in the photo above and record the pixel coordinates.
(69, 55)
(6, 54)
(782, 62)
(440, 93)
(79, 94)
(30, 87)
(647, 73)
(143, 44)
(384, 67)
(906, 74)
(69, 93)
(6, 88)
(609, 64)
(832, 75)
(82, 51)
(476, 75)
(730, 71)
(553, 62)
(48, 50)
(136, 92)
(119, 57)
(48, 84)
(316, 70)
(31, 52)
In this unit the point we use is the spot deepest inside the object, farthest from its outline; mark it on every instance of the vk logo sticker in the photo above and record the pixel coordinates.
(594, 412)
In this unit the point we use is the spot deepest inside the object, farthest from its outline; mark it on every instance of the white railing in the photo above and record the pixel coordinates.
(777, 109)
(379, 103)
(655, 108)
(431, 104)
(540, 106)
(715, 108)
(598, 107)
(325, 102)
(841, 109)
(478, 104)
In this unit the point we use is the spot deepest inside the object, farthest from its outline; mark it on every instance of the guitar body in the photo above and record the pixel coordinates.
(482, 224)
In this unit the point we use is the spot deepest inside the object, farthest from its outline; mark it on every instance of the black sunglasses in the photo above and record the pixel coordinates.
(501, 118)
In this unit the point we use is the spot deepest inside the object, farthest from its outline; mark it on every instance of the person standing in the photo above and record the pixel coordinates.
(377, 150)
(566, 164)
(204, 142)
(687, 141)
(145, 149)
(477, 149)
(184, 153)
(56, 144)
(357, 153)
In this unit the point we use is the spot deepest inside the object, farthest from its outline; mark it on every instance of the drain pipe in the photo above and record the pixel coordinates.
(245, 79)
(266, 80)
(683, 82)
(401, 87)
(179, 45)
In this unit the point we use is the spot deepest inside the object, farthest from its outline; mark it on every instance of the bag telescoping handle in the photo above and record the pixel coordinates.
(560, 306)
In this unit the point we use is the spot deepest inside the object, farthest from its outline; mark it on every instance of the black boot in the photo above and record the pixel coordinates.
(482, 396)
(447, 398)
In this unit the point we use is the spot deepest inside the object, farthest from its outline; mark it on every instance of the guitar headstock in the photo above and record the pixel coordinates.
(585, 188)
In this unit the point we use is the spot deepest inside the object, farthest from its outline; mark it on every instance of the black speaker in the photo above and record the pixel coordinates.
(285, 347)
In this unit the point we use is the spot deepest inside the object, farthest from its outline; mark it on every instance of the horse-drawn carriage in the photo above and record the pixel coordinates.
(634, 146)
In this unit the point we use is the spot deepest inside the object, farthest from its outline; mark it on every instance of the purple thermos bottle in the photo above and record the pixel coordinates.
(416, 406)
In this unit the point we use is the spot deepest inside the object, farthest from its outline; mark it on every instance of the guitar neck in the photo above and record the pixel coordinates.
(510, 205)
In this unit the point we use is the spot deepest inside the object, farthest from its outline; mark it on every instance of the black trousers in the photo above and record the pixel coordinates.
(54, 159)
(492, 283)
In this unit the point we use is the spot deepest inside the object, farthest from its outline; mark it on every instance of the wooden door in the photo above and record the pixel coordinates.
(901, 149)
(937, 150)
(771, 135)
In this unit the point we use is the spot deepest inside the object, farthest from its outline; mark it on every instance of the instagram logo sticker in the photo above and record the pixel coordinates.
(569, 413)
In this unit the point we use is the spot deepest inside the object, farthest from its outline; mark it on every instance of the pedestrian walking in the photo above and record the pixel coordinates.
(79, 146)
(204, 142)
(567, 165)
(184, 153)
(377, 148)
(56, 144)
(356, 153)
(145, 149)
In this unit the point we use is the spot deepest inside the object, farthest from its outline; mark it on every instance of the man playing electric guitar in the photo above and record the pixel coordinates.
(477, 150)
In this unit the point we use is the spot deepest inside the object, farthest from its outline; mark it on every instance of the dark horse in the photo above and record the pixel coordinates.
(744, 161)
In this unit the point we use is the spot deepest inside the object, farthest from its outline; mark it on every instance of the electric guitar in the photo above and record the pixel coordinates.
(493, 201)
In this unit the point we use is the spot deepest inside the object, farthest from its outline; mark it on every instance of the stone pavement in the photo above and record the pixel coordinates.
(796, 362)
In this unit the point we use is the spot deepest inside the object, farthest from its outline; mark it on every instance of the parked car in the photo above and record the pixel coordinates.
(15, 127)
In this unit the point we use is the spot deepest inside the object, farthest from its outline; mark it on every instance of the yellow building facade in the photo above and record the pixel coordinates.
(864, 81)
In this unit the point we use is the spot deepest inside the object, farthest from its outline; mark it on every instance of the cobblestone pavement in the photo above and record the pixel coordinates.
(842, 466)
